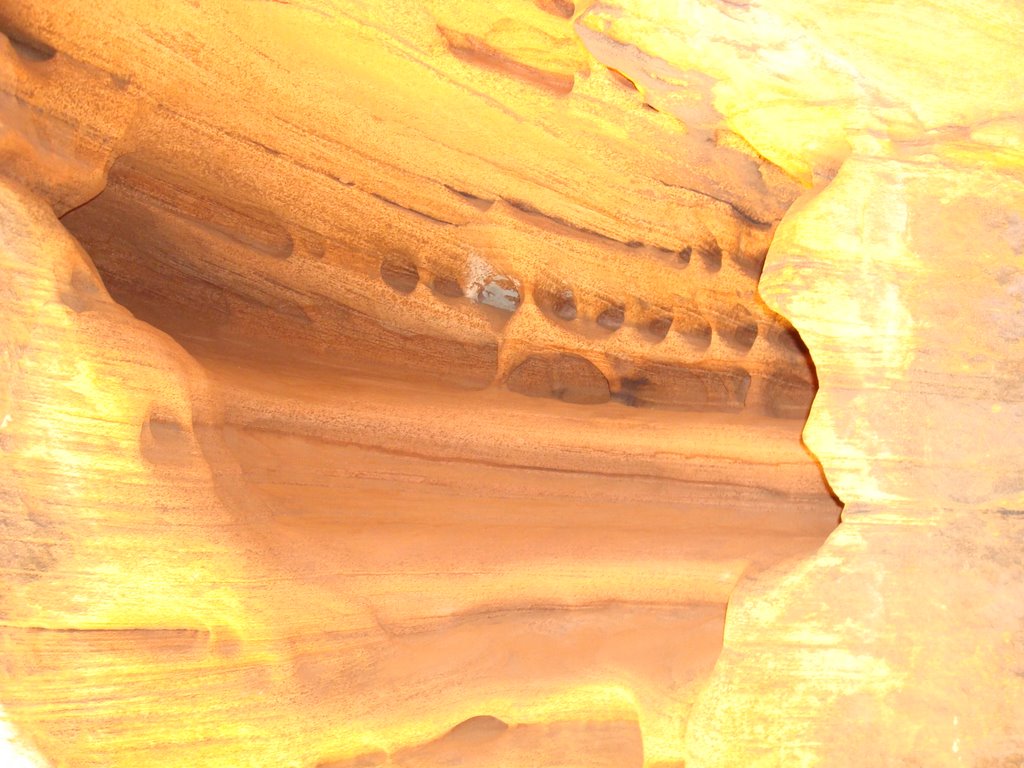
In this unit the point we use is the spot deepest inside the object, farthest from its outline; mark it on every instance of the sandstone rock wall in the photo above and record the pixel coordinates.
(431, 415)
(434, 413)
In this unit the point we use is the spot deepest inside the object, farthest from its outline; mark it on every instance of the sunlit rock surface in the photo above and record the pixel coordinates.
(902, 641)
(395, 387)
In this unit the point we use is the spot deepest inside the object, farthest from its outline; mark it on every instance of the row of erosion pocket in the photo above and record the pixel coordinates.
(737, 327)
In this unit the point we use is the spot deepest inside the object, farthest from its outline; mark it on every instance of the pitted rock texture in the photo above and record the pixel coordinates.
(287, 226)
(395, 387)
(432, 414)
(236, 548)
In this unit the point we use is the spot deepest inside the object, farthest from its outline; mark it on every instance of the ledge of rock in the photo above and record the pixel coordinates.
(425, 385)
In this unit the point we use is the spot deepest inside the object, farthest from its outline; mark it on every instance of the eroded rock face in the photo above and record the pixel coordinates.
(433, 414)
(445, 418)
(907, 624)
(330, 240)
(898, 271)
(234, 549)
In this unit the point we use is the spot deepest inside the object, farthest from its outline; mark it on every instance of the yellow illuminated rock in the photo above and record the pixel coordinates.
(397, 384)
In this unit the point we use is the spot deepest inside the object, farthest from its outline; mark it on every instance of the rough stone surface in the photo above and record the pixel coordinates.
(391, 385)
(278, 497)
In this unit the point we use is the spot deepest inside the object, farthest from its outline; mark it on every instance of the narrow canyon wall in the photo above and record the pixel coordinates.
(901, 641)
(446, 417)
(395, 387)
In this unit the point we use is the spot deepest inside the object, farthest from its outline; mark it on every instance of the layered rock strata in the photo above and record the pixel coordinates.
(431, 415)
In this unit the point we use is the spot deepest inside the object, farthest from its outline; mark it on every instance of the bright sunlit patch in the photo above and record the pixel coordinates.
(14, 753)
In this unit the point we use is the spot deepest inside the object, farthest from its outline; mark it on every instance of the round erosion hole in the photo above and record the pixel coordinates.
(694, 329)
(711, 253)
(612, 318)
(399, 273)
(564, 305)
(658, 327)
(559, 302)
(446, 286)
(739, 328)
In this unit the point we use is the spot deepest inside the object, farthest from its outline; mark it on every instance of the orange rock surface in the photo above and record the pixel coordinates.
(397, 384)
